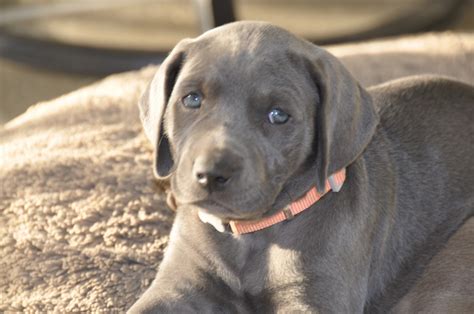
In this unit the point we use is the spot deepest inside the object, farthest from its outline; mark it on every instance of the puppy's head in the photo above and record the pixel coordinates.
(241, 112)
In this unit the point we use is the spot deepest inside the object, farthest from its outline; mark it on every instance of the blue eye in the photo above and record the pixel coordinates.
(277, 116)
(192, 100)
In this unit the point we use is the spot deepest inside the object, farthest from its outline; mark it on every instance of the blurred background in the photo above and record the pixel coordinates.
(51, 47)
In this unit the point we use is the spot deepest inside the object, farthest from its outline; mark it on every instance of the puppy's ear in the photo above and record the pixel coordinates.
(345, 116)
(153, 106)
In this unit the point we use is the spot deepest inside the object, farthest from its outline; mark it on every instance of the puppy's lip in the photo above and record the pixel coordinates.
(224, 212)
(215, 208)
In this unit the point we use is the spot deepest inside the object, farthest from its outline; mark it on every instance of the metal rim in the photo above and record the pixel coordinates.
(86, 60)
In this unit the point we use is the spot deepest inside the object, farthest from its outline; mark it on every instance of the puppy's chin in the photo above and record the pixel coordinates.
(235, 204)
(225, 212)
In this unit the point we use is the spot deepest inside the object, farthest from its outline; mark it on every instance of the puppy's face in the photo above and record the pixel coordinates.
(240, 112)
(240, 122)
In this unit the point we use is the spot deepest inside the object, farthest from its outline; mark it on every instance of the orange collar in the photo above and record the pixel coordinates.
(333, 183)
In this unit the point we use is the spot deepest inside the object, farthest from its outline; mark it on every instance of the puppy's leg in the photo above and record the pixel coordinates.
(446, 285)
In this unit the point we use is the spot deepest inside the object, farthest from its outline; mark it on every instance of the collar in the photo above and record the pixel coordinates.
(334, 183)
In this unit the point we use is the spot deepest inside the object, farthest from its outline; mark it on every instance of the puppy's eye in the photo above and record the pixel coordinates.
(278, 116)
(192, 100)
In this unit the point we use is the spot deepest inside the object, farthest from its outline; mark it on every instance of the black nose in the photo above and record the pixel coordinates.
(213, 170)
(209, 179)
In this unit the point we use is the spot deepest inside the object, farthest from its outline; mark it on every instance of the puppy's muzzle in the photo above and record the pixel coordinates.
(215, 169)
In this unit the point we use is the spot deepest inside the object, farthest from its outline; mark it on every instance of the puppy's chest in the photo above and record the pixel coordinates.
(275, 277)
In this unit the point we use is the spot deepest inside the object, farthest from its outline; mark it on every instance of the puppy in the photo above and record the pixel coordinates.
(296, 189)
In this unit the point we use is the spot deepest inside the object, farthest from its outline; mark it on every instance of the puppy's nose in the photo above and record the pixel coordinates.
(214, 170)
(210, 179)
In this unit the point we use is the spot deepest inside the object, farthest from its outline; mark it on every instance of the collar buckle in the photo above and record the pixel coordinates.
(288, 213)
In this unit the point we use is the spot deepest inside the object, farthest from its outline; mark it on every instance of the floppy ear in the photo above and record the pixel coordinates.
(345, 116)
(152, 110)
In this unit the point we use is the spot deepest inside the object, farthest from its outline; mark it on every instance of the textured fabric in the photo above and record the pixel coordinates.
(301, 204)
(82, 226)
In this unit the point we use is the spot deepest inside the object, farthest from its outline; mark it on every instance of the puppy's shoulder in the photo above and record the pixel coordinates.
(421, 91)
(422, 109)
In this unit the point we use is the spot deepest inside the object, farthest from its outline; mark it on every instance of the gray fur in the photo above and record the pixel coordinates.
(407, 146)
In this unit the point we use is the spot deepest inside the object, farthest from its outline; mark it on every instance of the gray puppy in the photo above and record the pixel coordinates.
(246, 119)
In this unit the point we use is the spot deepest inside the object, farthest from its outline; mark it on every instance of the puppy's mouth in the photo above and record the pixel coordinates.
(219, 216)
(246, 204)
(223, 212)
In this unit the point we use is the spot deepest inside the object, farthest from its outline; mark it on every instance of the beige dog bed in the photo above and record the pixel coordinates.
(82, 226)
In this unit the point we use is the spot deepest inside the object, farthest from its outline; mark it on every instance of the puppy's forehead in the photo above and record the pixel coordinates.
(245, 59)
(251, 37)
(243, 75)
(244, 49)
